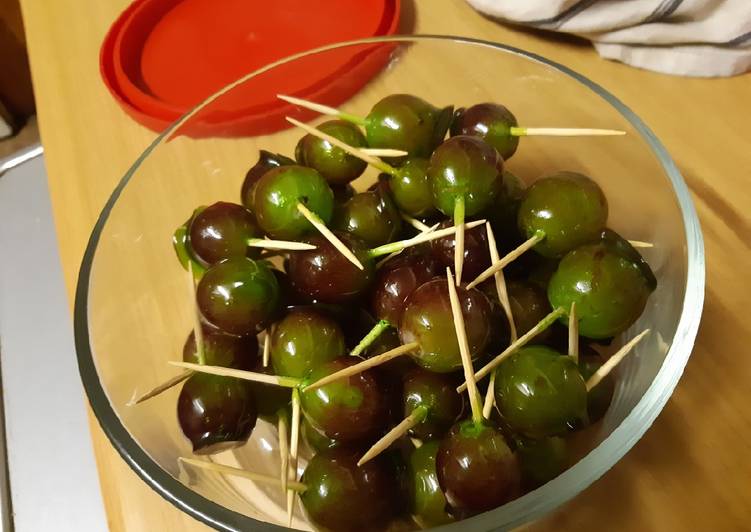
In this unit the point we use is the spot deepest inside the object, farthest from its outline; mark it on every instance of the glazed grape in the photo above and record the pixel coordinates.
(491, 122)
(266, 162)
(350, 409)
(303, 340)
(427, 320)
(435, 394)
(406, 122)
(397, 279)
(569, 208)
(334, 164)
(221, 231)
(540, 392)
(315, 439)
(342, 497)
(239, 296)
(370, 216)
(411, 188)
(609, 288)
(270, 400)
(219, 349)
(277, 193)
(541, 460)
(427, 502)
(599, 397)
(324, 274)
(476, 469)
(464, 167)
(216, 413)
(476, 253)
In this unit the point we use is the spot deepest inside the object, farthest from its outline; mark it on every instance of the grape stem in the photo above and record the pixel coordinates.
(371, 337)
(418, 415)
(459, 209)
(419, 239)
(461, 336)
(287, 382)
(563, 132)
(508, 259)
(323, 109)
(227, 470)
(613, 361)
(546, 322)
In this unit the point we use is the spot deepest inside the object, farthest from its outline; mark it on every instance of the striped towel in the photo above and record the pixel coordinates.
(683, 37)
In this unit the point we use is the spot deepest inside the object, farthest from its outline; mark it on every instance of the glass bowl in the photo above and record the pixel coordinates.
(132, 312)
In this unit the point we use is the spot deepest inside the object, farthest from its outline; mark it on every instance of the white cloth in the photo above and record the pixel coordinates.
(684, 37)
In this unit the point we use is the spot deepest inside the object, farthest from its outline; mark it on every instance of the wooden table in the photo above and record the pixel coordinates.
(691, 470)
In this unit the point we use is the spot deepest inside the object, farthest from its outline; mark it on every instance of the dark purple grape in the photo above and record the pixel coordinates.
(370, 216)
(220, 349)
(266, 162)
(315, 439)
(427, 501)
(344, 497)
(324, 274)
(221, 231)
(428, 320)
(476, 251)
(435, 394)
(491, 122)
(271, 400)
(238, 296)
(216, 413)
(477, 470)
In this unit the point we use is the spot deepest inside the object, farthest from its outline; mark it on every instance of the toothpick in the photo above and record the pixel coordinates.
(235, 471)
(395, 253)
(287, 382)
(174, 381)
(613, 361)
(266, 243)
(384, 152)
(364, 365)
(294, 441)
(417, 416)
(371, 337)
(419, 239)
(329, 235)
(414, 222)
(487, 406)
(461, 336)
(459, 239)
(573, 333)
(508, 259)
(323, 109)
(267, 347)
(546, 322)
(640, 244)
(281, 425)
(563, 132)
(196, 314)
(355, 152)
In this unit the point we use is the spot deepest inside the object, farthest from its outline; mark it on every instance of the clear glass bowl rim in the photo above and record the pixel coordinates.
(529, 507)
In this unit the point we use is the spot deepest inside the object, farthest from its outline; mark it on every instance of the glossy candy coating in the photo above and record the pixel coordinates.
(529, 305)
(270, 399)
(219, 349)
(491, 122)
(316, 440)
(371, 216)
(406, 122)
(599, 397)
(303, 340)
(216, 413)
(476, 469)
(540, 392)
(610, 290)
(221, 231)
(349, 409)
(277, 193)
(427, 502)
(541, 460)
(324, 274)
(569, 208)
(411, 188)
(266, 161)
(476, 252)
(334, 164)
(502, 213)
(437, 393)
(428, 320)
(238, 296)
(464, 167)
(396, 280)
(342, 497)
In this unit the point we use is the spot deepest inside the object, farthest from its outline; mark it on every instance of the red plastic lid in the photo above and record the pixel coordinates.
(162, 57)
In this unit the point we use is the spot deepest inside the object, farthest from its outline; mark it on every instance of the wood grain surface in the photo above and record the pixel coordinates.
(690, 471)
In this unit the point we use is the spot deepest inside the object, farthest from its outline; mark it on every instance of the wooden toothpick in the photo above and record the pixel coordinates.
(196, 315)
(266, 243)
(173, 381)
(461, 336)
(293, 447)
(267, 347)
(414, 222)
(508, 259)
(235, 471)
(329, 235)
(640, 244)
(323, 109)
(383, 152)
(395, 253)
(459, 238)
(573, 333)
(287, 382)
(564, 132)
(364, 365)
(418, 239)
(417, 416)
(613, 361)
(281, 426)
